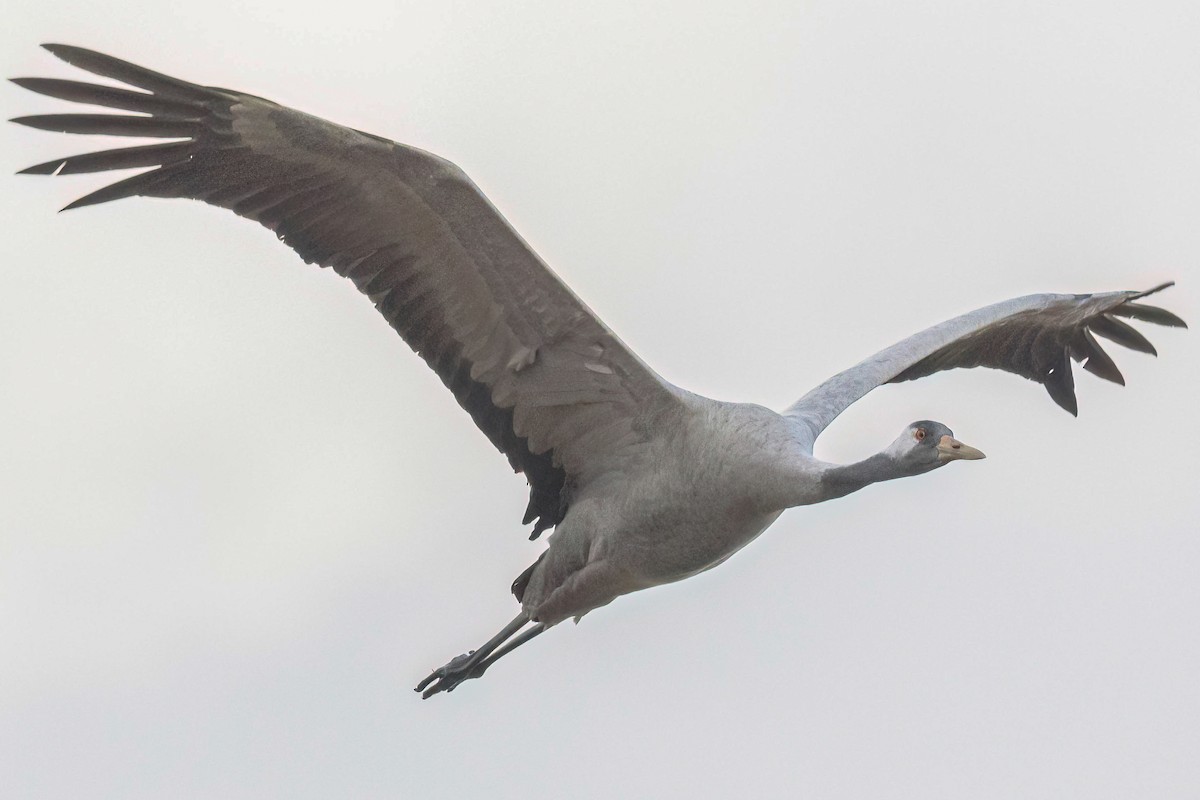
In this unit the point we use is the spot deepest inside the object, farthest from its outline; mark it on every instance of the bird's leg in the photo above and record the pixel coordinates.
(509, 647)
(471, 665)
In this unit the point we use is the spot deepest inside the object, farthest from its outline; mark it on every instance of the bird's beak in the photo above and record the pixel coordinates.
(951, 449)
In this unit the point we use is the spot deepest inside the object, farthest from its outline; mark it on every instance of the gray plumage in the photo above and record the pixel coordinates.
(643, 482)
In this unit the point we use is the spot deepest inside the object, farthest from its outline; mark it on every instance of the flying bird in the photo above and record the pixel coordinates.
(643, 483)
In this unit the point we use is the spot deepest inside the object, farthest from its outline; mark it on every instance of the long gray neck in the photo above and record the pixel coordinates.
(840, 481)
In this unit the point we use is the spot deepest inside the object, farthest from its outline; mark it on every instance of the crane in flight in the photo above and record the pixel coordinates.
(644, 483)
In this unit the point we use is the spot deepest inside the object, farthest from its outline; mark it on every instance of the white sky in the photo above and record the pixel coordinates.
(240, 519)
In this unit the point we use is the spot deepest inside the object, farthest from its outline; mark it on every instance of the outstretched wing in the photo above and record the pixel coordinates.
(1034, 337)
(549, 384)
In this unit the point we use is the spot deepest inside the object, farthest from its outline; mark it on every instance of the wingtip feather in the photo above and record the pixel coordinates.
(1113, 329)
(1155, 290)
(87, 200)
(128, 187)
(47, 168)
(1064, 396)
(1152, 314)
(127, 72)
(61, 51)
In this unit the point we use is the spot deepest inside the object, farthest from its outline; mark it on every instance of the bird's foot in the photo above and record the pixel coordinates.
(445, 678)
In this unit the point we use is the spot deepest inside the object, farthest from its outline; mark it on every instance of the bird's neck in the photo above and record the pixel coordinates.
(841, 480)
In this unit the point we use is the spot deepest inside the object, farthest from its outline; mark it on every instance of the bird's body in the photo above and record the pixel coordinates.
(643, 483)
(711, 477)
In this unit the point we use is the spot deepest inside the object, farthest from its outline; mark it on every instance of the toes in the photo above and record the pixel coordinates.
(445, 678)
(439, 684)
(449, 668)
(446, 683)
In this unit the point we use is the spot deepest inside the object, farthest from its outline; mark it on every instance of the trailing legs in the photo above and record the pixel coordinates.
(475, 663)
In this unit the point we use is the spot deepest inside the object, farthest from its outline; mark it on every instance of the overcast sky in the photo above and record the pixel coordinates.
(241, 520)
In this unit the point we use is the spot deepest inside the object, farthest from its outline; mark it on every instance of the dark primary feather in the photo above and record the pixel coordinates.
(150, 155)
(1039, 344)
(544, 379)
(107, 96)
(132, 74)
(1145, 313)
(113, 125)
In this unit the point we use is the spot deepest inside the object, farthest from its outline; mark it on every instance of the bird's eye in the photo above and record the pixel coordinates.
(920, 434)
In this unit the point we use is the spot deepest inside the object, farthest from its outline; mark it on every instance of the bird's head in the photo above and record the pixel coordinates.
(925, 445)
